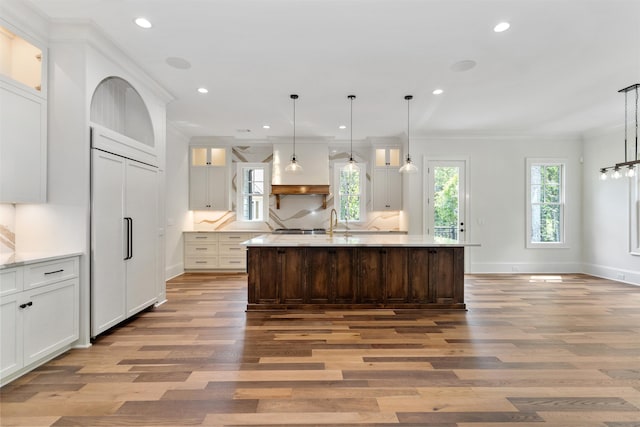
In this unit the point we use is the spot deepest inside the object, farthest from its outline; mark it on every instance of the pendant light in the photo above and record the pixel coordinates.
(408, 166)
(351, 166)
(616, 170)
(294, 166)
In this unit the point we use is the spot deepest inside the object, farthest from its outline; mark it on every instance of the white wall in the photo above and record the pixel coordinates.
(606, 212)
(496, 202)
(177, 200)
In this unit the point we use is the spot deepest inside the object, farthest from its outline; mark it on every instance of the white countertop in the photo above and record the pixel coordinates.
(16, 259)
(301, 240)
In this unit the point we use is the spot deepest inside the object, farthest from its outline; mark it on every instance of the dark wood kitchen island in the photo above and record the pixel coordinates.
(354, 272)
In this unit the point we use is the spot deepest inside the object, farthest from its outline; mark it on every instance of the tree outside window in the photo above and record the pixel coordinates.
(252, 199)
(350, 195)
(546, 203)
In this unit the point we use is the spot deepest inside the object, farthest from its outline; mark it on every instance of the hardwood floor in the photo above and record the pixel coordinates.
(530, 351)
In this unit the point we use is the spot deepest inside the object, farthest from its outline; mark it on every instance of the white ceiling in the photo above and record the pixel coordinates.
(556, 70)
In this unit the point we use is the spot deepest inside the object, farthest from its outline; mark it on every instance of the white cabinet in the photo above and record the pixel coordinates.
(209, 178)
(125, 236)
(387, 180)
(23, 120)
(215, 250)
(39, 312)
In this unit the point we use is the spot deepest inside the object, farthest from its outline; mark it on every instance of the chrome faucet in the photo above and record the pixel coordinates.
(332, 223)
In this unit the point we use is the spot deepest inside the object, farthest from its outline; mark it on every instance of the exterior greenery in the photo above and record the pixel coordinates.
(546, 203)
(445, 202)
(350, 195)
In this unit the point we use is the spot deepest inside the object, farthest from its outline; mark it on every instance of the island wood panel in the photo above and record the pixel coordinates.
(362, 277)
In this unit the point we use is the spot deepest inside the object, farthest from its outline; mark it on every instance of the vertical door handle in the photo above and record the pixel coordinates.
(129, 224)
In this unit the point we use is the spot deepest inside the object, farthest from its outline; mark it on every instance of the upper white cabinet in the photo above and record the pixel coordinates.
(387, 180)
(23, 119)
(209, 178)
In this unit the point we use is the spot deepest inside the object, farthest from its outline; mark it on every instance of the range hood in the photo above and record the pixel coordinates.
(314, 178)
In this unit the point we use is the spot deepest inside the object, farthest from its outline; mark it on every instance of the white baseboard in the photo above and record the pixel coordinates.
(618, 274)
(516, 267)
(174, 270)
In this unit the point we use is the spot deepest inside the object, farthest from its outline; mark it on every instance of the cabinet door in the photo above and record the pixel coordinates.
(218, 192)
(291, 265)
(141, 206)
(264, 279)
(108, 281)
(51, 320)
(394, 189)
(395, 271)
(10, 335)
(419, 290)
(380, 202)
(320, 275)
(447, 275)
(198, 196)
(371, 286)
(344, 278)
(23, 146)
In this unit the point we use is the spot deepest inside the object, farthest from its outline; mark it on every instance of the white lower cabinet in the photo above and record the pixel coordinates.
(39, 315)
(215, 250)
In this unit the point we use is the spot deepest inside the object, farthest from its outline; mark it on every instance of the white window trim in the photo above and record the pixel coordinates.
(337, 166)
(634, 215)
(563, 205)
(239, 185)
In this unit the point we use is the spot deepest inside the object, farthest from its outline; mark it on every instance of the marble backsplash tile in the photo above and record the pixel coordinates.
(7, 228)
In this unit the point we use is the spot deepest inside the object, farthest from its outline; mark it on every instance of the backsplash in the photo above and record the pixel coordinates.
(7, 229)
(295, 211)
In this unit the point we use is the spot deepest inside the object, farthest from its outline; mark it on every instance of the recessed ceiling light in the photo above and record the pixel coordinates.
(179, 63)
(342, 127)
(142, 22)
(464, 65)
(437, 91)
(503, 26)
(266, 127)
(203, 90)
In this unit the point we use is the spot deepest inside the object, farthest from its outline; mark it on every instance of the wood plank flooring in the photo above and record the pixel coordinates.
(530, 351)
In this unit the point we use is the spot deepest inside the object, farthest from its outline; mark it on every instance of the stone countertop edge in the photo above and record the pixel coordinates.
(18, 259)
(324, 240)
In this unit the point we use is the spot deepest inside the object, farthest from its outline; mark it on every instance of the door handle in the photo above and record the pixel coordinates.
(129, 224)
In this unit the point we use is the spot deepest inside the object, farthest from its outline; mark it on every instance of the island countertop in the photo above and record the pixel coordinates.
(374, 240)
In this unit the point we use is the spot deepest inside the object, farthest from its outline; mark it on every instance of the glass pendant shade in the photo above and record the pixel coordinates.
(294, 166)
(408, 166)
(351, 167)
(631, 172)
(603, 175)
(616, 173)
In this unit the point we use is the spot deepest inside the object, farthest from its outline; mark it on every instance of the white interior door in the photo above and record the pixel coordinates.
(446, 196)
(108, 248)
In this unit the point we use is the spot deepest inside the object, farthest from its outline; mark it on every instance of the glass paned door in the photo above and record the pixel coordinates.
(445, 213)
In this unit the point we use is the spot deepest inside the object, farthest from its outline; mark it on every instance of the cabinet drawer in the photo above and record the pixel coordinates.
(200, 237)
(10, 281)
(44, 273)
(233, 262)
(232, 249)
(205, 262)
(200, 249)
(234, 237)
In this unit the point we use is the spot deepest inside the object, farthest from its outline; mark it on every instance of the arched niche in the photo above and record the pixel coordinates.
(117, 106)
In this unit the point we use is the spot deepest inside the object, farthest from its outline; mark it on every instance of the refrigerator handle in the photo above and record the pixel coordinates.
(130, 238)
(129, 226)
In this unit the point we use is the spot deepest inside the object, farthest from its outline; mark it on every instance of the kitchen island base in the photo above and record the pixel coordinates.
(355, 277)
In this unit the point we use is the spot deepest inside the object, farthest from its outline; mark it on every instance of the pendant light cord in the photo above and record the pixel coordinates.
(408, 98)
(351, 97)
(636, 156)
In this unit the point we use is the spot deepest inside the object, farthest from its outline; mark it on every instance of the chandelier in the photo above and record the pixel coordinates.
(616, 171)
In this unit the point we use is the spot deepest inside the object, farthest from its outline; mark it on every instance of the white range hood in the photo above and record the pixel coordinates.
(314, 178)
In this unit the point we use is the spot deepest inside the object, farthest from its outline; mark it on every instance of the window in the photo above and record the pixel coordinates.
(634, 215)
(349, 200)
(545, 203)
(253, 195)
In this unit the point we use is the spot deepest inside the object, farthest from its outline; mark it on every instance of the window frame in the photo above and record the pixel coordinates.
(562, 243)
(337, 167)
(240, 195)
(634, 215)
